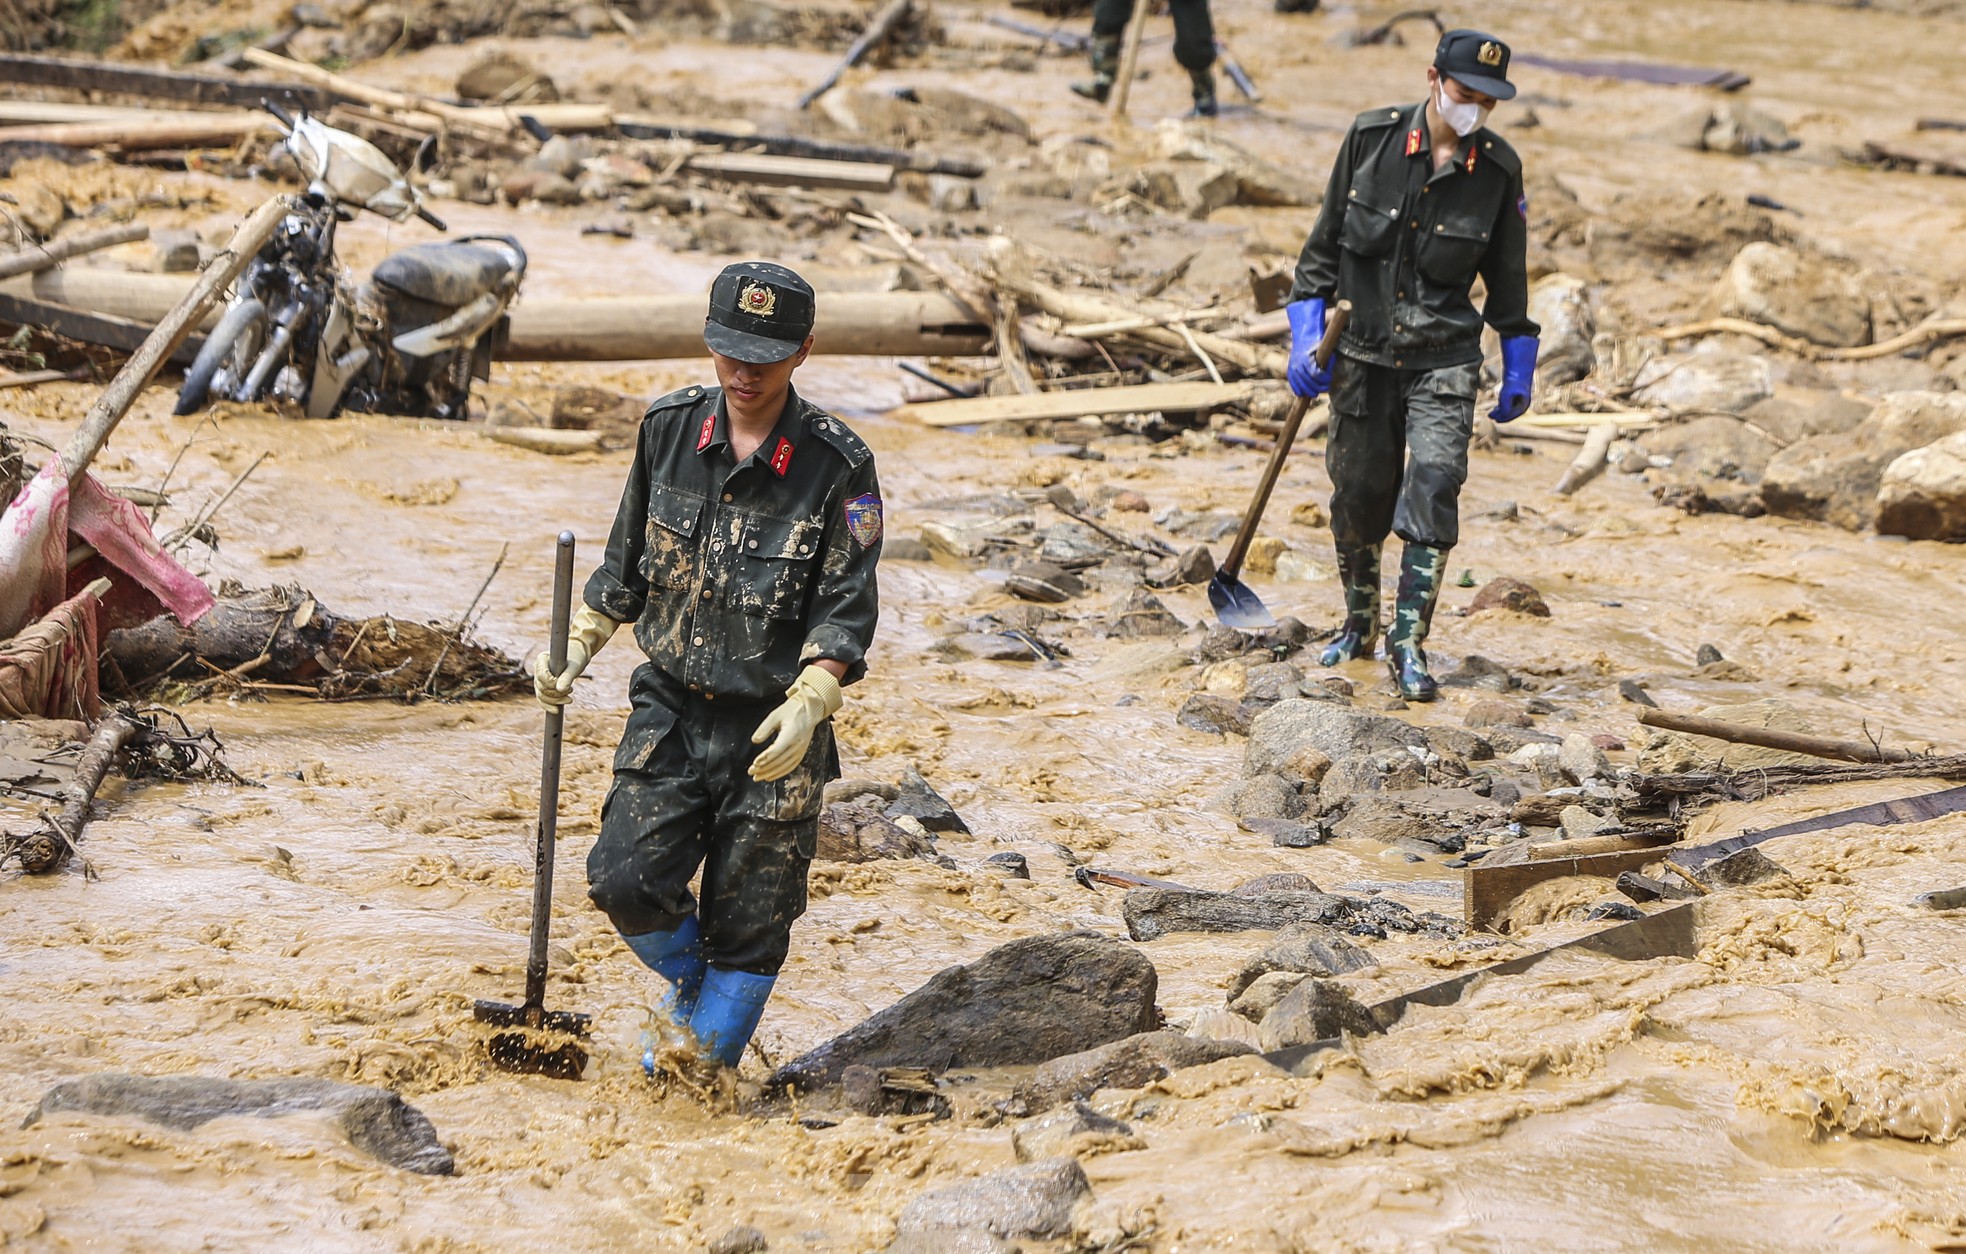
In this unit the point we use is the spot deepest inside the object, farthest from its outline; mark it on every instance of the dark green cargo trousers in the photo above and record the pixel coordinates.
(1398, 452)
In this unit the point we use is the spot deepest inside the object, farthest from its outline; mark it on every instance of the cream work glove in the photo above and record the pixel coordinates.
(813, 698)
(589, 630)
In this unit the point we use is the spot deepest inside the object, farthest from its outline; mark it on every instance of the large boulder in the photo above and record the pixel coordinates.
(1561, 306)
(1923, 494)
(1303, 949)
(1836, 478)
(1030, 1201)
(1128, 1064)
(1704, 382)
(1334, 731)
(1029, 1001)
(1796, 294)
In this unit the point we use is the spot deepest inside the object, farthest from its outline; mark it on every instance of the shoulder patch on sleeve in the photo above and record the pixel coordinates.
(863, 519)
(839, 437)
(681, 398)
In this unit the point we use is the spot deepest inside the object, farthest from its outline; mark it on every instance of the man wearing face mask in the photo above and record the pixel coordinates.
(1423, 200)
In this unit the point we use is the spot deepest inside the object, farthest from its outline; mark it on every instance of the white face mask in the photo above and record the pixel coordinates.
(1466, 119)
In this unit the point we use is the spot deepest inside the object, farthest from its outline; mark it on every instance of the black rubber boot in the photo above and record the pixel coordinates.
(1358, 569)
(1204, 83)
(1421, 569)
(1105, 69)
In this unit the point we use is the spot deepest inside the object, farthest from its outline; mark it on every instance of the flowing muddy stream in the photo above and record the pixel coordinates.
(1795, 1086)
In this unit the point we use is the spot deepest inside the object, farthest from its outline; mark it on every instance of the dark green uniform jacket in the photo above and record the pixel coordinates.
(738, 574)
(1404, 243)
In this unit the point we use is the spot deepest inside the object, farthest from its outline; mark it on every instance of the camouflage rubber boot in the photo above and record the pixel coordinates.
(1358, 569)
(1105, 69)
(1204, 82)
(1421, 569)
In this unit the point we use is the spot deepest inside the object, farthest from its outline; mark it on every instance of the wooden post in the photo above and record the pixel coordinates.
(1770, 738)
(1129, 59)
(123, 390)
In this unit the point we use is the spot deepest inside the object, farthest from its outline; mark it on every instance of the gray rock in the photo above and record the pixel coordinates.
(740, 1240)
(1315, 1010)
(1749, 866)
(377, 1121)
(1381, 819)
(1504, 592)
(1195, 565)
(1276, 882)
(1303, 949)
(1582, 760)
(1024, 1002)
(922, 803)
(1220, 716)
(1013, 865)
(1073, 544)
(1264, 992)
(1707, 655)
(1271, 682)
(1613, 911)
(1797, 294)
(906, 549)
(857, 831)
(1579, 823)
(1561, 305)
(1334, 731)
(1285, 834)
(1366, 773)
(1922, 495)
(1941, 899)
(1074, 1131)
(1154, 912)
(1141, 614)
(979, 646)
(1128, 1064)
(1715, 382)
(1836, 478)
(1267, 797)
(1029, 1201)
(1462, 744)
(950, 1241)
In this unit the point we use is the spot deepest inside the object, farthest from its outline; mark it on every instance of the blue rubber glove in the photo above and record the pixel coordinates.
(1306, 329)
(1518, 377)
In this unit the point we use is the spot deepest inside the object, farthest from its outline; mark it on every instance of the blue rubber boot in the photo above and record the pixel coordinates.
(727, 1012)
(676, 956)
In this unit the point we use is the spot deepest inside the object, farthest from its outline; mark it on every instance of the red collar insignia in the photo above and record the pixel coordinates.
(709, 429)
(781, 457)
(1415, 141)
(1471, 158)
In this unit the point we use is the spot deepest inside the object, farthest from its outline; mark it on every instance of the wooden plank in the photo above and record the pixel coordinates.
(1488, 891)
(38, 257)
(148, 84)
(32, 112)
(1773, 738)
(1093, 402)
(744, 134)
(746, 167)
(202, 130)
(90, 328)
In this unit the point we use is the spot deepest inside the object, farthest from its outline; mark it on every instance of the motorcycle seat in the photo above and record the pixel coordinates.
(444, 273)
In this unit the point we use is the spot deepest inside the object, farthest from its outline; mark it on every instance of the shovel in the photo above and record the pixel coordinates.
(1235, 605)
(523, 1051)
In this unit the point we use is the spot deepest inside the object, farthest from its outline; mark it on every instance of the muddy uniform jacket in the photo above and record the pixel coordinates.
(1404, 243)
(738, 574)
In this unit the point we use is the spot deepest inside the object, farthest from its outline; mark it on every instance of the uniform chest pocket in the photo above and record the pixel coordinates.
(669, 555)
(1369, 229)
(1449, 253)
(776, 565)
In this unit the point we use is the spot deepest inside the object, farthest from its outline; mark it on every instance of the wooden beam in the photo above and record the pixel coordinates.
(1771, 738)
(1488, 891)
(745, 135)
(189, 131)
(149, 84)
(1094, 402)
(89, 328)
(38, 257)
(745, 167)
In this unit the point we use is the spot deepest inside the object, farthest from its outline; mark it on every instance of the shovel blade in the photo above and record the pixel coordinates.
(1236, 606)
(524, 1051)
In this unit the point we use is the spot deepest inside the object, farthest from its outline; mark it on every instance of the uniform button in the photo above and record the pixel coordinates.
(1416, 226)
(1398, 362)
(726, 496)
(754, 544)
(698, 642)
(803, 548)
(706, 594)
(1439, 227)
(1355, 193)
(1402, 295)
(718, 547)
(1394, 213)
(696, 688)
(709, 696)
(1425, 190)
(1399, 330)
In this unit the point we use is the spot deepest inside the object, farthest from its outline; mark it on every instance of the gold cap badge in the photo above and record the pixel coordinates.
(757, 300)
(1490, 54)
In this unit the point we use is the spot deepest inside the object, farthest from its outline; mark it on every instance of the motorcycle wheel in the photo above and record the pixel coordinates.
(240, 328)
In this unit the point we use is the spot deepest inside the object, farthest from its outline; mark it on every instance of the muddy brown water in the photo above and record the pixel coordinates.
(1796, 1086)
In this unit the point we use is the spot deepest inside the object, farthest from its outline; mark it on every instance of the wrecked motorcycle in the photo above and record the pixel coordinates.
(408, 342)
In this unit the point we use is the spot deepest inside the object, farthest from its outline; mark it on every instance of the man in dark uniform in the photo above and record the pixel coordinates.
(1423, 200)
(744, 553)
(1194, 49)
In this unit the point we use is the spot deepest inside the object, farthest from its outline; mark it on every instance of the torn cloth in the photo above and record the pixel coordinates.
(49, 669)
(34, 540)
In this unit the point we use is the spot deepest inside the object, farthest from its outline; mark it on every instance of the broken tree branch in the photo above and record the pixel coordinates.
(1771, 738)
(1937, 329)
(38, 257)
(49, 848)
(122, 391)
(878, 31)
(464, 619)
(1589, 462)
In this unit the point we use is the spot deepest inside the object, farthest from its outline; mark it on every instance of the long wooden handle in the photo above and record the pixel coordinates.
(549, 785)
(1772, 738)
(1130, 58)
(1326, 348)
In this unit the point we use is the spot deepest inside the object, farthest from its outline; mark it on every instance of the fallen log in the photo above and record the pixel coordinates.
(1937, 329)
(47, 849)
(435, 114)
(169, 334)
(107, 330)
(883, 324)
(735, 135)
(38, 257)
(1640, 72)
(135, 135)
(556, 441)
(1589, 462)
(1771, 738)
(150, 84)
(744, 167)
(1092, 402)
(878, 31)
